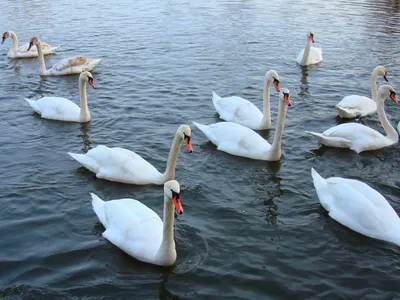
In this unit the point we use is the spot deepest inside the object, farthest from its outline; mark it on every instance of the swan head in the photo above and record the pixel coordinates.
(6, 35)
(381, 71)
(87, 76)
(185, 133)
(34, 41)
(387, 91)
(172, 191)
(272, 76)
(310, 35)
(284, 95)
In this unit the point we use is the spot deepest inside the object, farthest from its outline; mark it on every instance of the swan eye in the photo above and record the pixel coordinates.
(174, 194)
(392, 93)
(276, 80)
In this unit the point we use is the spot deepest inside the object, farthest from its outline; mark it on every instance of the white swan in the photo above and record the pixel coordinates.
(358, 137)
(354, 106)
(67, 66)
(239, 140)
(121, 165)
(57, 108)
(138, 230)
(309, 55)
(357, 206)
(238, 110)
(22, 52)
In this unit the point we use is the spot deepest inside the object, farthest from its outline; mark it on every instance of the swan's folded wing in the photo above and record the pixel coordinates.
(133, 227)
(72, 62)
(353, 210)
(58, 108)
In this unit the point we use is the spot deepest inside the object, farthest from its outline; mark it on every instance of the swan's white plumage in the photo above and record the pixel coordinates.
(242, 141)
(62, 109)
(358, 137)
(355, 106)
(235, 139)
(67, 66)
(359, 106)
(17, 51)
(131, 226)
(118, 164)
(357, 206)
(241, 111)
(122, 165)
(238, 110)
(315, 56)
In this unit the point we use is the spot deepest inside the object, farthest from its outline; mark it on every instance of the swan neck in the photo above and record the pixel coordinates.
(84, 115)
(42, 65)
(306, 53)
(266, 120)
(275, 152)
(391, 133)
(169, 173)
(374, 94)
(14, 45)
(167, 252)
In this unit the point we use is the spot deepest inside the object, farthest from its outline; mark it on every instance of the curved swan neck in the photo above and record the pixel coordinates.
(391, 133)
(266, 120)
(42, 65)
(306, 53)
(14, 45)
(275, 151)
(172, 157)
(84, 115)
(374, 94)
(167, 252)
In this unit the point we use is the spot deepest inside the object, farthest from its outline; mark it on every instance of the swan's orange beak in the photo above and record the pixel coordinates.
(393, 97)
(178, 204)
(312, 38)
(386, 77)
(30, 46)
(276, 84)
(286, 97)
(189, 146)
(91, 82)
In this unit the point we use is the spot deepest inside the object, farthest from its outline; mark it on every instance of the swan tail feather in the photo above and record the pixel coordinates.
(347, 112)
(216, 98)
(53, 49)
(205, 129)
(331, 141)
(86, 161)
(34, 105)
(98, 207)
(317, 179)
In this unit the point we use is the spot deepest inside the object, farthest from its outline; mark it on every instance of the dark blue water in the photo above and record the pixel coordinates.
(251, 229)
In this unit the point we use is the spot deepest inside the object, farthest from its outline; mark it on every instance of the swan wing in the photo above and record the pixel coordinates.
(236, 139)
(315, 55)
(238, 110)
(354, 210)
(362, 137)
(300, 56)
(134, 228)
(118, 164)
(56, 108)
(353, 106)
(72, 62)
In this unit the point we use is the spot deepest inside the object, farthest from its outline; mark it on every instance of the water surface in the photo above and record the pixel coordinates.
(251, 229)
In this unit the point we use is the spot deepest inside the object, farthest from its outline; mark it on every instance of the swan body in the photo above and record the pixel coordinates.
(361, 138)
(309, 55)
(57, 108)
(239, 140)
(17, 51)
(122, 165)
(138, 230)
(67, 66)
(359, 106)
(357, 206)
(238, 110)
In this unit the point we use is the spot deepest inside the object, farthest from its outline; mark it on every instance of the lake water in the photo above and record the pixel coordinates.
(251, 229)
